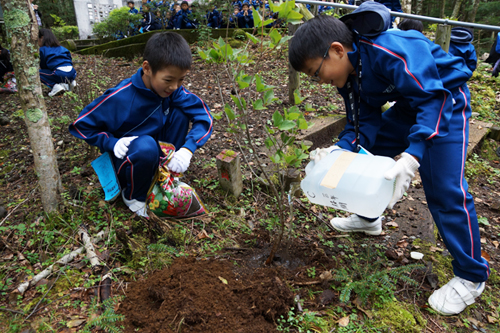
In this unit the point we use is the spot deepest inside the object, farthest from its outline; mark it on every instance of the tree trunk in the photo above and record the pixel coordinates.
(418, 9)
(456, 8)
(21, 24)
(443, 6)
(471, 16)
(406, 6)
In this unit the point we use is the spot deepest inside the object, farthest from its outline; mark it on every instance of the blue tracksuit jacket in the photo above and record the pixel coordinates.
(55, 56)
(406, 67)
(461, 46)
(245, 21)
(131, 109)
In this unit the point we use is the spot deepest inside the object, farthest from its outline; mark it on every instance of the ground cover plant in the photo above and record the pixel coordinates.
(208, 274)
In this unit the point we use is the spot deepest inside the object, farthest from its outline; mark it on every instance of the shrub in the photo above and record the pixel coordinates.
(119, 22)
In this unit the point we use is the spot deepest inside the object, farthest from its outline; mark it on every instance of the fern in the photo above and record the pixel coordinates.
(368, 278)
(106, 321)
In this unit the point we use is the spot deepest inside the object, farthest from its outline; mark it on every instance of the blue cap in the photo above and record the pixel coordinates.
(461, 35)
(369, 19)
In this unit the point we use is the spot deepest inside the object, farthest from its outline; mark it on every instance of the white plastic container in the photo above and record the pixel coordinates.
(350, 182)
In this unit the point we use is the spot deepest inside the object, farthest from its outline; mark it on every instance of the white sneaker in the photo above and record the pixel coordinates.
(57, 89)
(72, 85)
(354, 223)
(455, 296)
(138, 207)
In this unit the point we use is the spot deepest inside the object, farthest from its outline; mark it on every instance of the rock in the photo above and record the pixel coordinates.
(326, 297)
(416, 255)
(432, 279)
(4, 121)
(3, 211)
(391, 254)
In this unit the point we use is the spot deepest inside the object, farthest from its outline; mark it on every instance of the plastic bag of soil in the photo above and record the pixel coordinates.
(169, 197)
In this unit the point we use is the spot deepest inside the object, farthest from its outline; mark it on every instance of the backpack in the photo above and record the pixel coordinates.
(369, 19)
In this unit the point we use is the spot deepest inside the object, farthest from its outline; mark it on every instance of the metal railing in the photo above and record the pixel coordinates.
(412, 16)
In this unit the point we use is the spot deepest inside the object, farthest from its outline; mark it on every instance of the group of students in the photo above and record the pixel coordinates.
(164, 15)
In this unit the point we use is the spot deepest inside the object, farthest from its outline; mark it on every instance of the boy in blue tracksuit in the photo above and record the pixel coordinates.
(56, 64)
(151, 106)
(214, 18)
(428, 124)
(461, 46)
(183, 18)
(245, 17)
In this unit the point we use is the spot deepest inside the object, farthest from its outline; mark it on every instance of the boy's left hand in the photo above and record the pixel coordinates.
(403, 171)
(180, 161)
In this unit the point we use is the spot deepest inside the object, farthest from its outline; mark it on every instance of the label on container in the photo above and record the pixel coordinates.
(337, 170)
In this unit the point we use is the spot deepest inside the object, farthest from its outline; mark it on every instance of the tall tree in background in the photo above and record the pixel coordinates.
(443, 6)
(471, 15)
(21, 25)
(406, 6)
(456, 8)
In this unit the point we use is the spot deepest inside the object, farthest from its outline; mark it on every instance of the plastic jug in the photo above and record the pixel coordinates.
(351, 182)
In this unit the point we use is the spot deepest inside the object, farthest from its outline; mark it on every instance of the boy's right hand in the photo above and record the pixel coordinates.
(121, 147)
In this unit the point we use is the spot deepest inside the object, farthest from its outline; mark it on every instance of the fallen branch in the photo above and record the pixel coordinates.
(63, 261)
(89, 247)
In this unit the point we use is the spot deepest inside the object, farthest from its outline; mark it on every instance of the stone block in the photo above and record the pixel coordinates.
(229, 170)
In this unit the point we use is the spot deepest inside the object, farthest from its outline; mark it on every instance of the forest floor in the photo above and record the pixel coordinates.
(207, 274)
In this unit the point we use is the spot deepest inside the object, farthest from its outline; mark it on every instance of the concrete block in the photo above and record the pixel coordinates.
(323, 131)
(229, 171)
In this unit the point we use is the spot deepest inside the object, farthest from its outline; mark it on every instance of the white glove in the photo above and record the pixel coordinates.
(403, 171)
(121, 147)
(319, 153)
(180, 161)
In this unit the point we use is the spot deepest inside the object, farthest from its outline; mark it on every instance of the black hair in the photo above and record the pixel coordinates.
(130, 2)
(411, 24)
(312, 39)
(48, 37)
(167, 49)
(184, 3)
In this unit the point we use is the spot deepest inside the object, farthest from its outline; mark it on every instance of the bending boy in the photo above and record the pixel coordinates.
(151, 106)
(428, 124)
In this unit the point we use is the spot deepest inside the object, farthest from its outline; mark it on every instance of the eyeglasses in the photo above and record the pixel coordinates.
(315, 77)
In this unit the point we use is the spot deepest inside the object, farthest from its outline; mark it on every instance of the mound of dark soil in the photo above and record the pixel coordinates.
(206, 296)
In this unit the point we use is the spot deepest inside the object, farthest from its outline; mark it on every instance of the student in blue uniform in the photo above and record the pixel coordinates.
(5, 64)
(428, 124)
(149, 22)
(132, 9)
(214, 18)
(151, 106)
(236, 3)
(56, 64)
(245, 17)
(184, 18)
(461, 46)
(411, 24)
(494, 57)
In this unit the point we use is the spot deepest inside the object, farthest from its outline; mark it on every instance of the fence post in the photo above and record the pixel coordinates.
(293, 75)
(443, 35)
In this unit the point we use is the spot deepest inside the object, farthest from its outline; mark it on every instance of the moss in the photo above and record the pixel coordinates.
(32, 71)
(16, 18)
(34, 115)
(176, 236)
(239, 34)
(4, 153)
(494, 277)
(401, 317)
(488, 150)
(441, 265)
(235, 44)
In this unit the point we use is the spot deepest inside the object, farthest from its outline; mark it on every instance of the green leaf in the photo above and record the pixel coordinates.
(286, 125)
(290, 158)
(241, 125)
(217, 115)
(309, 107)
(202, 54)
(214, 55)
(229, 112)
(259, 105)
(242, 84)
(269, 143)
(240, 102)
(267, 22)
(297, 98)
(302, 124)
(269, 97)
(254, 39)
(293, 15)
(275, 36)
(277, 119)
(260, 84)
(257, 19)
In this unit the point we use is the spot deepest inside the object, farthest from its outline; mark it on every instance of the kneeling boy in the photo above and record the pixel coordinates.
(151, 106)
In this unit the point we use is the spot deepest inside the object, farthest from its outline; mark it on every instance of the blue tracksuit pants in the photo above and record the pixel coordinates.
(442, 173)
(136, 171)
(51, 77)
